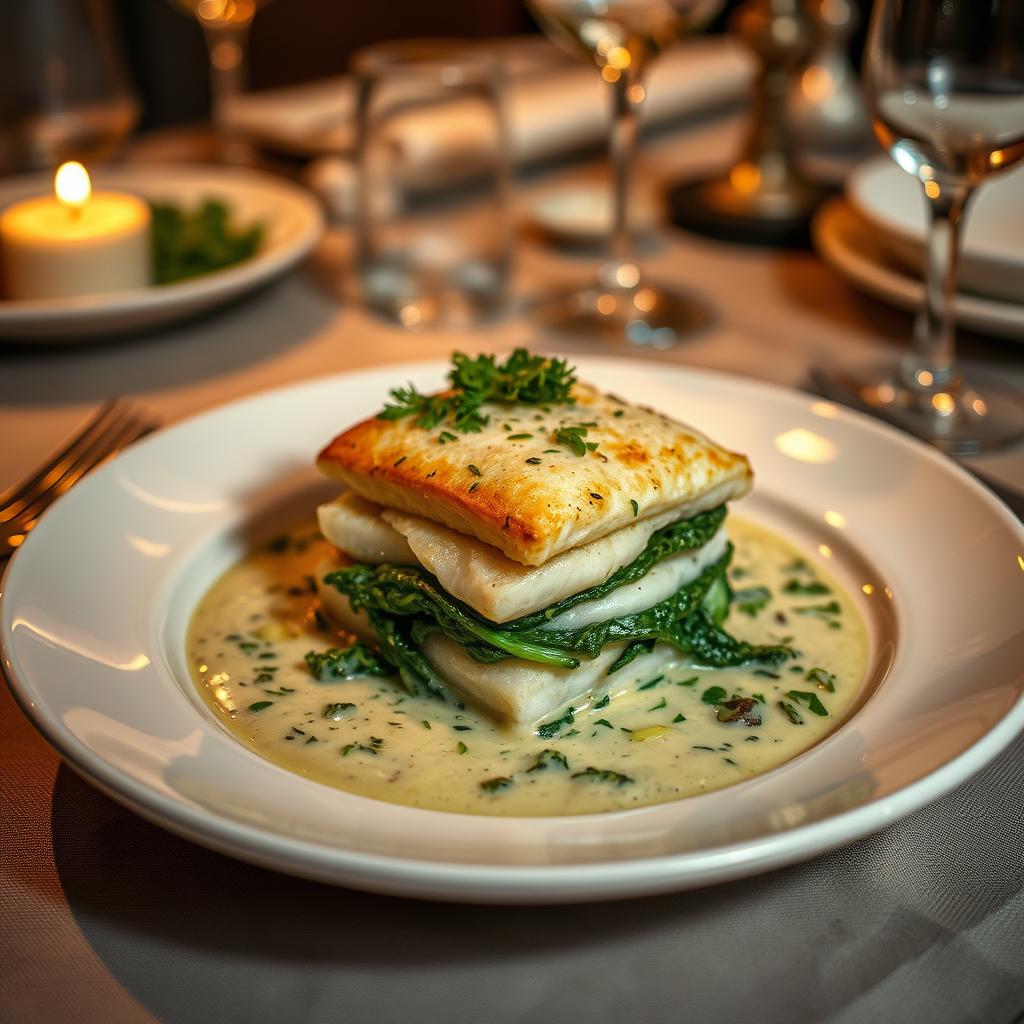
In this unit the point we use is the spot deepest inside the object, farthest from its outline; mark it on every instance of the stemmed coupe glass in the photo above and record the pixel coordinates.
(945, 83)
(225, 25)
(621, 37)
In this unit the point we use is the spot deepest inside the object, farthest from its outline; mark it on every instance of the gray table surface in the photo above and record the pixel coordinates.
(104, 917)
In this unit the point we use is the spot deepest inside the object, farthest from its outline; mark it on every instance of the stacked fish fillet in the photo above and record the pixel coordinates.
(557, 547)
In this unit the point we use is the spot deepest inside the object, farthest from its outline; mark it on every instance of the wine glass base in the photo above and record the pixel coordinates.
(646, 316)
(983, 413)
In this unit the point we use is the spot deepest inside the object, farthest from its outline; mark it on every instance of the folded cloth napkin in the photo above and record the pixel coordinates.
(319, 117)
(554, 106)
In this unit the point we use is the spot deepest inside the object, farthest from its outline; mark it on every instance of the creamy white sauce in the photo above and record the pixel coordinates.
(251, 632)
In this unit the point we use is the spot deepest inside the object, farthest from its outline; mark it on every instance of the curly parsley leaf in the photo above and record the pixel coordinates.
(522, 379)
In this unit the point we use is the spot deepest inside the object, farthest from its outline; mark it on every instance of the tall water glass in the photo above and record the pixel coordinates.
(433, 232)
(945, 84)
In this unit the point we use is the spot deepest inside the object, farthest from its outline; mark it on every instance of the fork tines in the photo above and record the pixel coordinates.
(115, 425)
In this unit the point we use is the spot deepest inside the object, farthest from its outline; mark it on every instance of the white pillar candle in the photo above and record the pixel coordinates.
(74, 242)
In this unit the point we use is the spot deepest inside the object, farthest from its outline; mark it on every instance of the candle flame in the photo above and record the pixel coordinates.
(72, 185)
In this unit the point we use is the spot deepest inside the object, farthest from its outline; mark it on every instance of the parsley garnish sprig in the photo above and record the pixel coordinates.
(522, 379)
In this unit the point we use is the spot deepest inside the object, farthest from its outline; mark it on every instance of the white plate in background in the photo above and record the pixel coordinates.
(293, 223)
(992, 257)
(852, 247)
(94, 646)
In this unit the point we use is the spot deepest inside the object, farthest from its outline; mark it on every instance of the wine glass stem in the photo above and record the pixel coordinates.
(930, 367)
(628, 95)
(226, 43)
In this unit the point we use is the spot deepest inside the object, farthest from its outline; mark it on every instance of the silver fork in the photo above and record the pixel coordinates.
(116, 425)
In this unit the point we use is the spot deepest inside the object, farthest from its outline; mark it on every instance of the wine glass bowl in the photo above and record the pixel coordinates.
(621, 37)
(945, 87)
(618, 34)
(65, 92)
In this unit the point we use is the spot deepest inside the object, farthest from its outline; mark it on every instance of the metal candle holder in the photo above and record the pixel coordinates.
(762, 198)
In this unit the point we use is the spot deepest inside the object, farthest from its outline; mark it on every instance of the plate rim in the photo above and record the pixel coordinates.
(856, 194)
(900, 289)
(519, 883)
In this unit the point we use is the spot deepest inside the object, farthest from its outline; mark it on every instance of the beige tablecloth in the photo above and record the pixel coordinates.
(106, 918)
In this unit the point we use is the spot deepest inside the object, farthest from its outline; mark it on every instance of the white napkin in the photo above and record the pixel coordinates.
(554, 104)
(566, 109)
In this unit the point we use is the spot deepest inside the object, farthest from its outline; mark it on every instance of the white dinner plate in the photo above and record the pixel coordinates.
(293, 222)
(992, 257)
(851, 247)
(95, 607)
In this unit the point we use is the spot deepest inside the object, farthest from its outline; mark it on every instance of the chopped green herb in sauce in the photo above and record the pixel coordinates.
(751, 600)
(550, 729)
(822, 679)
(603, 775)
(713, 695)
(811, 589)
(352, 662)
(496, 785)
(810, 700)
(547, 759)
(336, 712)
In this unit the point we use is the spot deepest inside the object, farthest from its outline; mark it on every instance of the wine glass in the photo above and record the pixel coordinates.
(945, 84)
(64, 91)
(621, 37)
(225, 25)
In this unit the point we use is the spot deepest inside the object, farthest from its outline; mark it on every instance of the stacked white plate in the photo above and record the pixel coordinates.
(875, 238)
